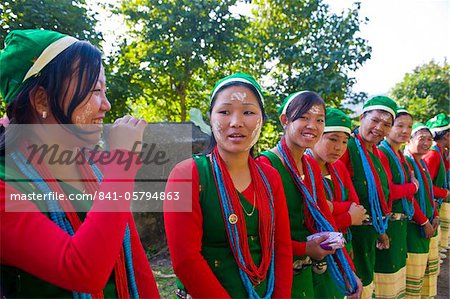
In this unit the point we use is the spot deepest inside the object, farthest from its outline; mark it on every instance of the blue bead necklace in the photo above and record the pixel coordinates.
(408, 206)
(322, 225)
(380, 225)
(234, 234)
(422, 184)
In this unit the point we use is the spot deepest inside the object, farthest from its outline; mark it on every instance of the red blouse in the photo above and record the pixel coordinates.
(83, 262)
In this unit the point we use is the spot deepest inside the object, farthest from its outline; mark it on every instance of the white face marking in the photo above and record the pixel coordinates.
(315, 109)
(386, 117)
(217, 129)
(256, 132)
(238, 96)
(83, 118)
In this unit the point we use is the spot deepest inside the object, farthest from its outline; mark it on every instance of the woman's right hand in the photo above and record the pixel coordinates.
(415, 181)
(315, 251)
(357, 213)
(127, 133)
(428, 229)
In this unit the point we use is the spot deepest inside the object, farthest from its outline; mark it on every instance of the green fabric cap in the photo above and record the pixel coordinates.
(282, 109)
(25, 54)
(438, 123)
(417, 127)
(337, 121)
(402, 110)
(237, 77)
(381, 103)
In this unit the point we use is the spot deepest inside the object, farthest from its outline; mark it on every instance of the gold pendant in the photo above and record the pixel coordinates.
(233, 219)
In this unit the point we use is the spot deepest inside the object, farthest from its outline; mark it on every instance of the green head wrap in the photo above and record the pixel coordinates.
(337, 121)
(238, 77)
(438, 123)
(381, 103)
(25, 54)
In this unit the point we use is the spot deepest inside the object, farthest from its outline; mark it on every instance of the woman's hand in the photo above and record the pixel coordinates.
(359, 288)
(383, 241)
(127, 133)
(428, 229)
(415, 181)
(315, 251)
(435, 223)
(357, 213)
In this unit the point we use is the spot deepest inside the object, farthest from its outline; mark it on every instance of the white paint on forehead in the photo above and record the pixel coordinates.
(385, 116)
(238, 96)
(315, 109)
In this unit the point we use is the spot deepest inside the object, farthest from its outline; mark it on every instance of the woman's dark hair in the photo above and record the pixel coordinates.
(402, 114)
(302, 103)
(81, 62)
(212, 140)
(439, 135)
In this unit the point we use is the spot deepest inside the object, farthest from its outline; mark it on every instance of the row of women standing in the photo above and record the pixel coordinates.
(247, 233)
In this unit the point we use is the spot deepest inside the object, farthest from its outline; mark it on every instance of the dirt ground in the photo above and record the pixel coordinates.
(162, 269)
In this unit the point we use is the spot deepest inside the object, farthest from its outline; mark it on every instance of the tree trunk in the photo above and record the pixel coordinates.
(181, 92)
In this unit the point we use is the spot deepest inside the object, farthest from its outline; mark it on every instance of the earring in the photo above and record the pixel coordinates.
(44, 114)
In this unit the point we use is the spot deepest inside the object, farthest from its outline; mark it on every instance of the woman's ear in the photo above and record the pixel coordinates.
(283, 120)
(39, 100)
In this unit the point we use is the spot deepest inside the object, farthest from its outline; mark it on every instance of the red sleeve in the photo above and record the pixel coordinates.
(433, 162)
(396, 191)
(184, 231)
(418, 216)
(343, 221)
(340, 207)
(345, 159)
(145, 281)
(83, 262)
(298, 248)
(439, 192)
(283, 250)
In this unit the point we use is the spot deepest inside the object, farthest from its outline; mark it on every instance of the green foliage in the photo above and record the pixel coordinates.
(178, 49)
(269, 136)
(66, 16)
(425, 91)
(305, 47)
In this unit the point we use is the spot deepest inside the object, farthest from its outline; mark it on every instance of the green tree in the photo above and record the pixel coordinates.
(425, 91)
(304, 46)
(66, 16)
(177, 50)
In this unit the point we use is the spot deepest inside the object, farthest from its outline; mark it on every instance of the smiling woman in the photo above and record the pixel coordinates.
(302, 115)
(54, 87)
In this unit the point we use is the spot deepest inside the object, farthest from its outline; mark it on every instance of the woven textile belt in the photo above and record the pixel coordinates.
(317, 267)
(369, 221)
(302, 264)
(397, 216)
